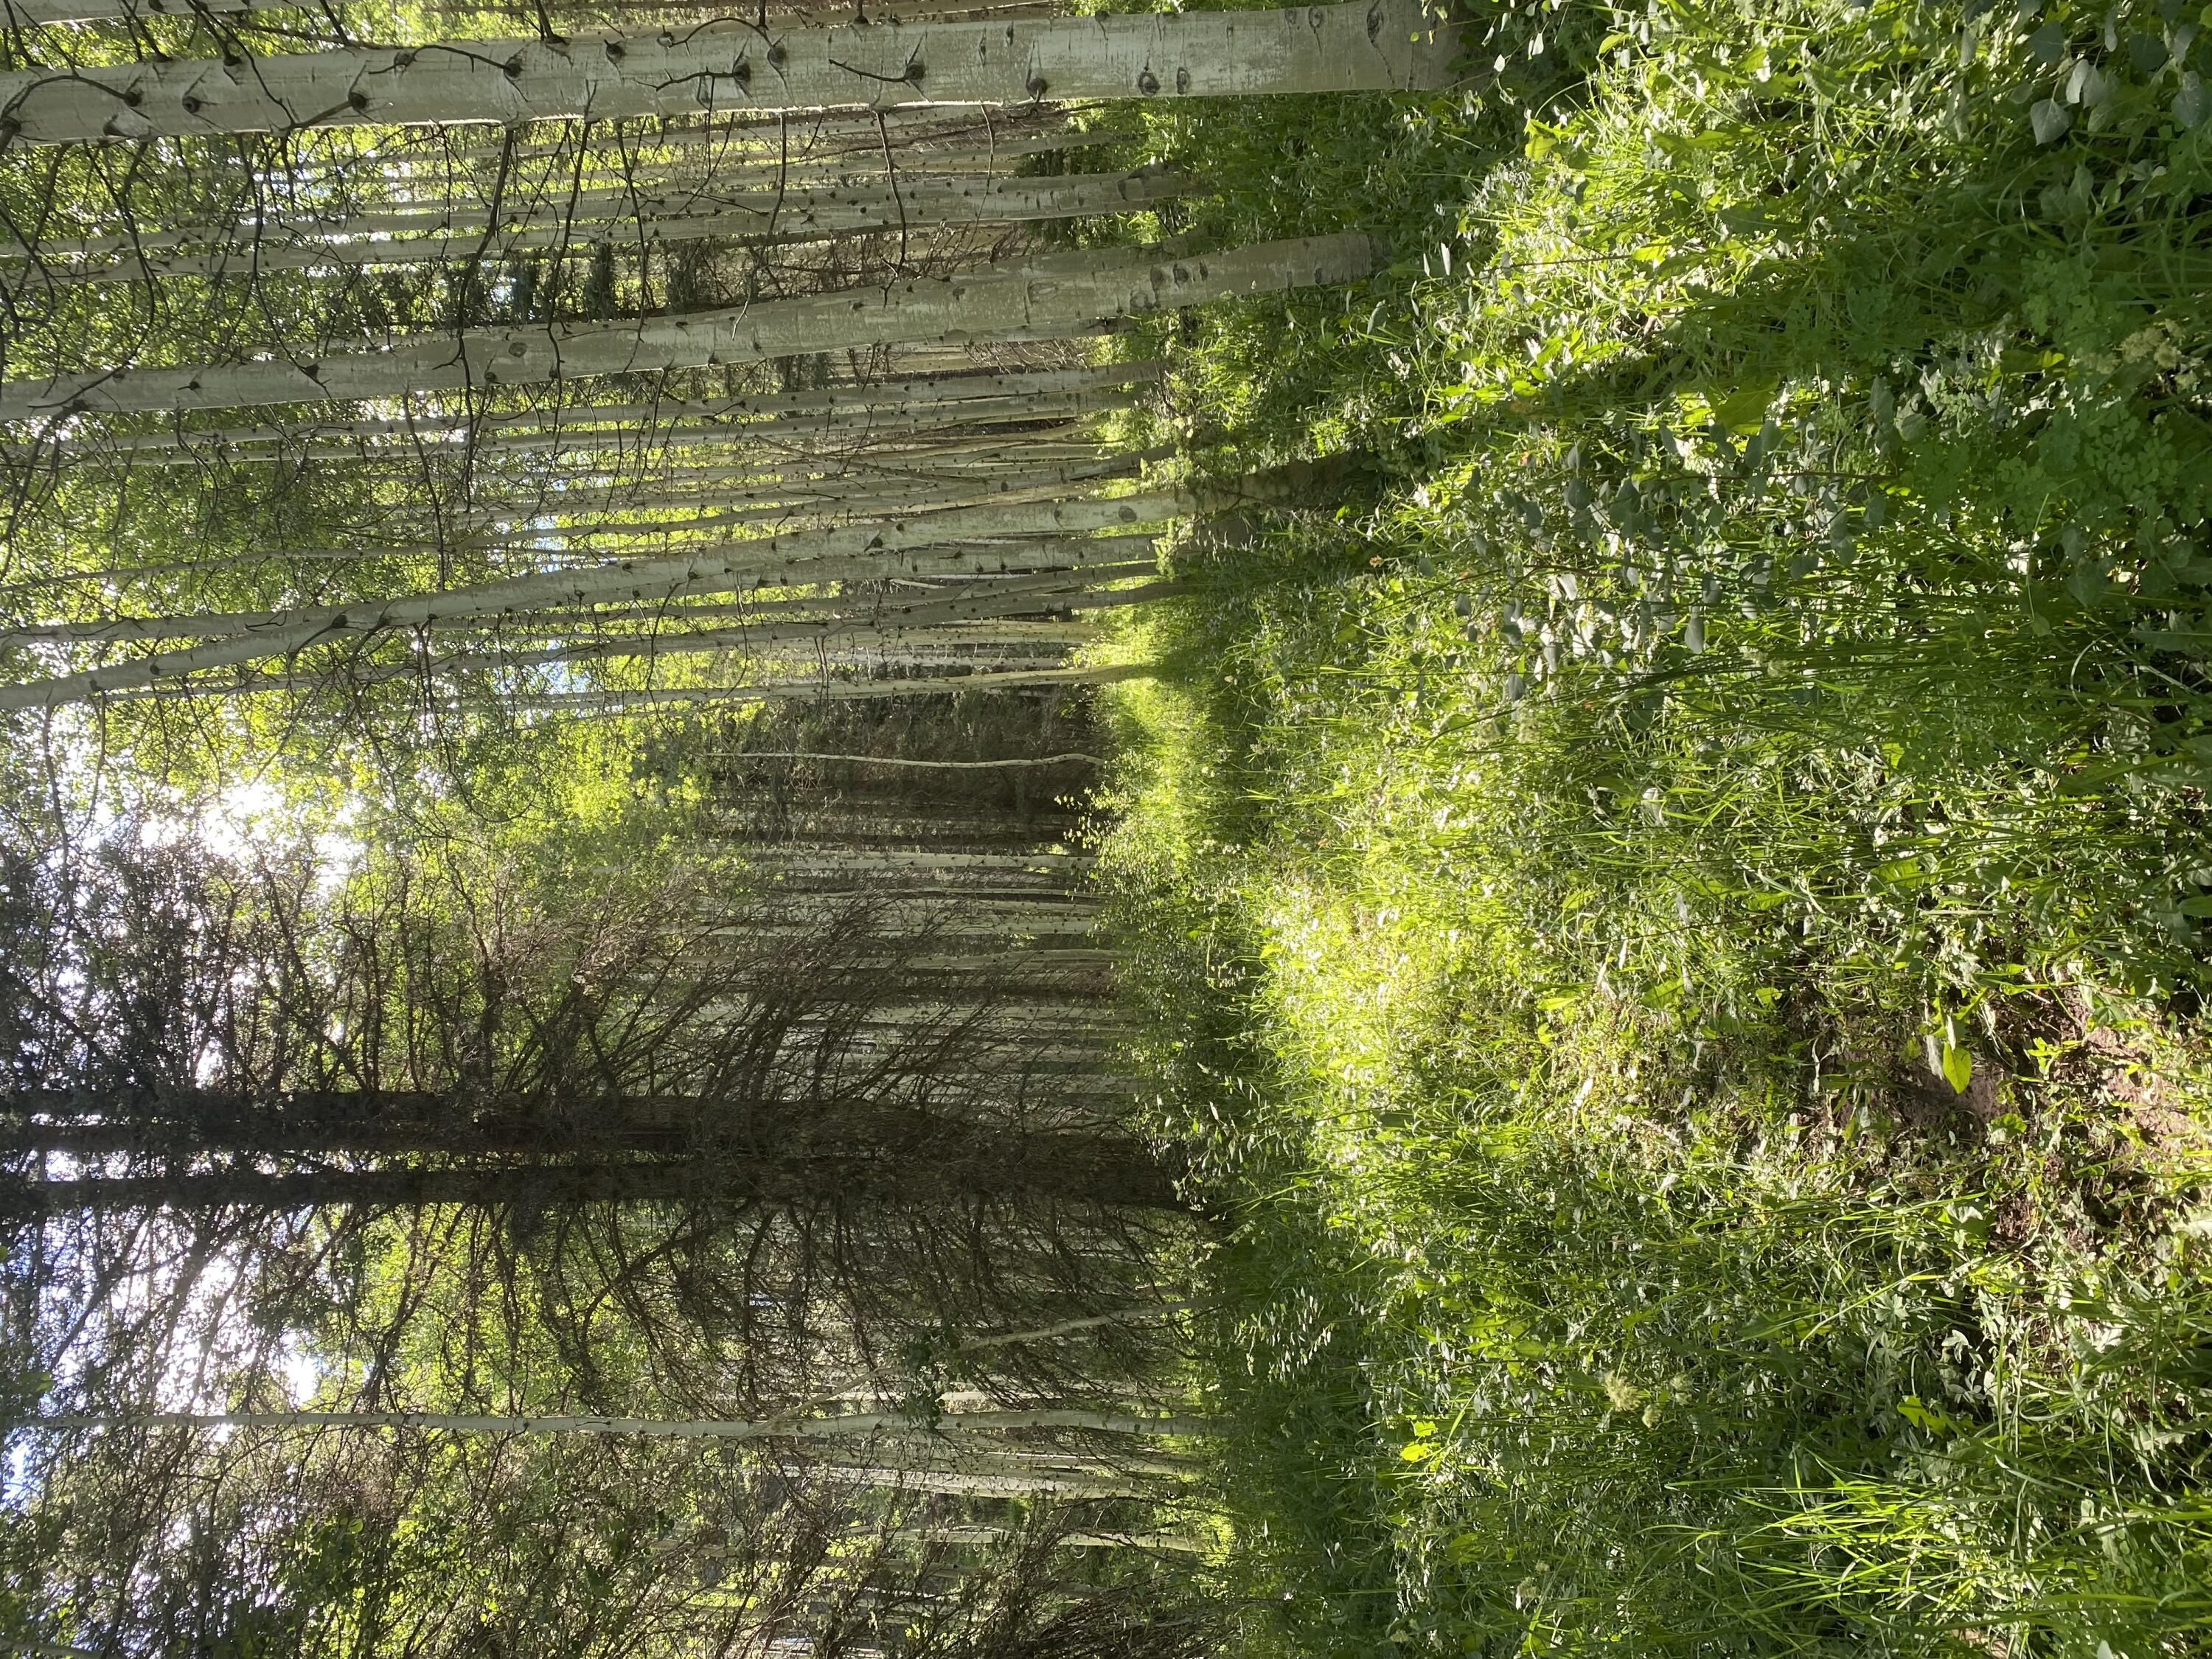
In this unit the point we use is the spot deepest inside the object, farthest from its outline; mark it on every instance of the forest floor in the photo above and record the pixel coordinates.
(1673, 925)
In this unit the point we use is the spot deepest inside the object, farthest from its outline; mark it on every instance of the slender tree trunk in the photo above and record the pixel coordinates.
(973, 1483)
(827, 434)
(832, 479)
(1031, 646)
(1054, 296)
(692, 697)
(865, 1426)
(21, 13)
(703, 148)
(783, 217)
(777, 560)
(1073, 1169)
(918, 397)
(872, 550)
(955, 560)
(1367, 46)
(861, 492)
(923, 765)
(521, 528)
(645, 189)
(1175, 1542)
(1001, 597)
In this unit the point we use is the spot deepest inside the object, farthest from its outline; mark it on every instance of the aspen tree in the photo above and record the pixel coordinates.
(776, 560)
(21, 12)
(828, 433)
(860, 404)
(1372, 46)
(914, 629)
(632, 702)
(644, 186)
(1052, 297)
(785, 215)
(955, 558)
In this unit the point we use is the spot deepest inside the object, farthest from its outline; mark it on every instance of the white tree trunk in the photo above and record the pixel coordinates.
(437, 191)
(1004, 645)
(692, 697)
(1056, 296)
(869, 491)
(780, 561)
(643, 187)
(963, 1532)
(1068, 566)
(957, 766)
(21, 12)
(950, 541)
(1366, 46)
(826, 434)
(916, 624)
(796, 433)
(704, 147)
(838, 407)
(790, 216)
(978, 1483)
(954, 561)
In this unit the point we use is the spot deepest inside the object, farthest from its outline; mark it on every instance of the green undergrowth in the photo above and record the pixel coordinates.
(1676, 929)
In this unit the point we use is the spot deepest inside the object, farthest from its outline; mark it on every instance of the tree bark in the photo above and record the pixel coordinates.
(866, 1426)
(796, 215)
(1371, 45)
(1054, 296)
(692, 697)
(645, 188)
(926, 765)
(20, 12)
(841, 406)
(774, 560)
(981, 1483)
(957, 1161)
(869, 550)
(1000, 596)
(825, 434)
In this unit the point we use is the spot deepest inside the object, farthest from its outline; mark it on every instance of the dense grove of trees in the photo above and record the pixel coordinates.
(770, 1123)
(560, 1091)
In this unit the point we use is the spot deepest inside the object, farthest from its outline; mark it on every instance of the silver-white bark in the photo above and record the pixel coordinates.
(788, 215)
(1369, 45)
(834, 638)
(692, 697)
(776, 560)
(1055, 295)
(841, 406)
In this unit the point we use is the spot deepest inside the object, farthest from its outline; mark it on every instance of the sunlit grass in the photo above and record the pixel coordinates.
(1676, 924)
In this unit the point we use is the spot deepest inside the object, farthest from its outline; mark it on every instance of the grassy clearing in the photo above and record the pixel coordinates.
(1681, 922)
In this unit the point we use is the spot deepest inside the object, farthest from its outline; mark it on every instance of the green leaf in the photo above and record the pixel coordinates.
(2190, 105)
(1744, 409)
(1921, 1416)
(1957, 1067)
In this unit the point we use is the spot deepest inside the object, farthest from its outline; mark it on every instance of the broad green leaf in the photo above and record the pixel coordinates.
(1957, 1067)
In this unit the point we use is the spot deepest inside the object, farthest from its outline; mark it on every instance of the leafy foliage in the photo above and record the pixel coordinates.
(1680, 922)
